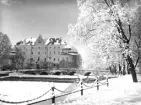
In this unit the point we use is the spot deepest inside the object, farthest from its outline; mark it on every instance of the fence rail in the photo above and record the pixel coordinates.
(73, 88)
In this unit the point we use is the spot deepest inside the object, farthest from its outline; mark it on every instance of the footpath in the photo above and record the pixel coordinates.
(121, 91)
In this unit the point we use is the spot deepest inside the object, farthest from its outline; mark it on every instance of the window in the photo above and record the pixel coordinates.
(50, 47)
(38, 53)
(32, 47)
(45, 52)
(45, 59)
(38, 58)
(39, 41)
(31, 59)
(54, 52)
(39, 47)
(54, 59)
(49, 57)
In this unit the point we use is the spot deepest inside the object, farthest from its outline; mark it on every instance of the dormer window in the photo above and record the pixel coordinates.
(39, 41)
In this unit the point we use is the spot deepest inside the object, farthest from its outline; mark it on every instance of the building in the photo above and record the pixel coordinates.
(71, 57)
(38, 51)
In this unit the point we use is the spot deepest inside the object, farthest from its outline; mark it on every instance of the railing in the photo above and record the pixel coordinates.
(72, 89)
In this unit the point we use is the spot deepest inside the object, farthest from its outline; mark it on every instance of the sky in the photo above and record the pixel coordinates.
(21, 19)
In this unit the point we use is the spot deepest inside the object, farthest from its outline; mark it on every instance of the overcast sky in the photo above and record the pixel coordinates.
(21, 19)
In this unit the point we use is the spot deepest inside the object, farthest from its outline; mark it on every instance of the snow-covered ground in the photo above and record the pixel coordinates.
(16, 91)
(122, 91)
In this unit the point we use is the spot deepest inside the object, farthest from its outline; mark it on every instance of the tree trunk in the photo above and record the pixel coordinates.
(131, 68)
(119, 68)
(123, 68)
(128, 69)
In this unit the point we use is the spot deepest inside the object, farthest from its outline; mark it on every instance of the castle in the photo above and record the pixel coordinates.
(53, 50)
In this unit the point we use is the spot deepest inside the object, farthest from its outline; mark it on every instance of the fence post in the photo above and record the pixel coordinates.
(107, 81)
(53, 95)
(97, 83)
(81, 88)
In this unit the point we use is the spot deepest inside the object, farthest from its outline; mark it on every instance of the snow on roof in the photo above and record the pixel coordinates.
(54, 41)
(63, 42)
(30, 40)
(67, 46)
(47, 41)
(57, 43)
(70, 53)
(73, 53)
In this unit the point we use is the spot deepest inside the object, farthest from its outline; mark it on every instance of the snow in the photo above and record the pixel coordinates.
(27, 40)
(121, 91)
(67, 46)
(20, 91)
(47, 41)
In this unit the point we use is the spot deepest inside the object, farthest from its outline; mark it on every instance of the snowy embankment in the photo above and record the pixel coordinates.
(121, 91)
(16, 91)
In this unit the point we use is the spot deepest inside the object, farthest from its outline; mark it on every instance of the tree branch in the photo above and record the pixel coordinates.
(136, 43)
(107, 3)
(112, 2)
(119, 23)
(137, 61)
(129, 26)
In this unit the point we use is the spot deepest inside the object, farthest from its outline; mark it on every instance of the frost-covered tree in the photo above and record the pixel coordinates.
(105, 26)
(17, 60)
(5, 47)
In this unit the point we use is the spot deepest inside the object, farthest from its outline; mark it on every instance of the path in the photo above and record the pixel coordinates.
(122, 91)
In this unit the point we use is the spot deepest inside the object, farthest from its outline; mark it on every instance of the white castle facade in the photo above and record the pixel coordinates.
(39, 50)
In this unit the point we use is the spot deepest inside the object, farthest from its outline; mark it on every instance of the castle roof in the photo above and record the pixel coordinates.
(32, 41)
